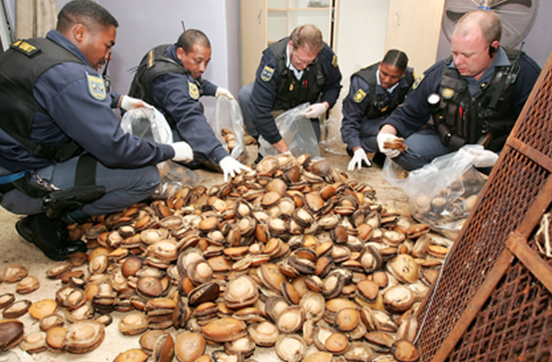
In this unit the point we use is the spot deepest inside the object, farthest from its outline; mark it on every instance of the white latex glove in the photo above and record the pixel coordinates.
(231, 167)
(182, 152)
(484, 158)
(128, 103)
(288, 152)
(315, 110)
(357, 159)
(382, 137)
(221, 92)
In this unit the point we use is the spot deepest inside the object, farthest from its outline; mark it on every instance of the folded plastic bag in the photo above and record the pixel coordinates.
(296, 130)
(151, 125)
(227, 123)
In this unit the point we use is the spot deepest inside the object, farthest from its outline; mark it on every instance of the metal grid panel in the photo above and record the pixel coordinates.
(515, 323)
(535, 130)
(516, 183)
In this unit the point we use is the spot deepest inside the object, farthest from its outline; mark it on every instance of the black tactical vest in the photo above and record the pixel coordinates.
(462, 119)
(154, 64)
(292, 92)
(380, 105)
(20, 67)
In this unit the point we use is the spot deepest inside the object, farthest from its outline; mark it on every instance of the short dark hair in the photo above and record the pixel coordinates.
(396, 58)
(187, 39)
(86, 12)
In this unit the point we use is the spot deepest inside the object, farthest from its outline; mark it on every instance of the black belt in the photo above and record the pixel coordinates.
(5, 188)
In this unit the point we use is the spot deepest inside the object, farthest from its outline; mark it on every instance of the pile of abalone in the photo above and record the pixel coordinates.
(293, 255)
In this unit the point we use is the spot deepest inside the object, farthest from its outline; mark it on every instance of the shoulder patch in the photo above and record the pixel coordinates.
(192, 89)
(418, 81)
(96, 87)
(334, 60)
(266, 74)
(23, 47)
(359, 95)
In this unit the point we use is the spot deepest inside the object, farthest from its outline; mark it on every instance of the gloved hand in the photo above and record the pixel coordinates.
(357, 159)
(231, 167)
(182, 152)
(315, 110)
(221, 92)
(382, 137)
(287, 152)
(128, 103)
(483, 158)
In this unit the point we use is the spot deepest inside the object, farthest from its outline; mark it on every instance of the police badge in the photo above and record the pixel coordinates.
(447, 93)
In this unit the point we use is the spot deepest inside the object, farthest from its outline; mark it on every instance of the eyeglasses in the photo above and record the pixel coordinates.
(300, 61)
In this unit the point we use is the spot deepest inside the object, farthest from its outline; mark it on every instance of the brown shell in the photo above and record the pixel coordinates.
(14, 273)
(224, 329)
(84, 336)
(42, 308)
(11, 333)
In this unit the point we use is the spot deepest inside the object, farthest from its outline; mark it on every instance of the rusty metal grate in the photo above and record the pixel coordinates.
(493, 301)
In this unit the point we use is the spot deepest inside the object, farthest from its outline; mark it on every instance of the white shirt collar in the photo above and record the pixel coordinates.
(298, 74)
(390, 90)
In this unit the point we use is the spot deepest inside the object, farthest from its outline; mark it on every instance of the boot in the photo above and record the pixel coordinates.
(49, 235)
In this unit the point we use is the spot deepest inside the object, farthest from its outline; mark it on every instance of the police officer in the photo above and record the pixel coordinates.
(375, 91)
(169, 77)
(63, 155)
(474, 96)
(296, 69)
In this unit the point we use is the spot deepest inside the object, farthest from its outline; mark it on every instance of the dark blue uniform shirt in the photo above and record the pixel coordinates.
(264, 92)
(63, 92)
(415, 111)
(354, 113)
(172, 92)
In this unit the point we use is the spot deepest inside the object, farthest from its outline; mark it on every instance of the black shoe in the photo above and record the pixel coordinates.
(49, 235)
(259, 159)
(379, 158)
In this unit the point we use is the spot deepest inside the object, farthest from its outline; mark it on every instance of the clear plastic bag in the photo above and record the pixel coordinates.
(151, 125)
(331, 136)
(227, 123)
(297, 131)
(442, 193)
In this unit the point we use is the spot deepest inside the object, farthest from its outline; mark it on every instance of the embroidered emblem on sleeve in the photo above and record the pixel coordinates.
(96, 87)
(266, 74)
(334, 60)
(194, 92)
(418, 81)
(359, 95)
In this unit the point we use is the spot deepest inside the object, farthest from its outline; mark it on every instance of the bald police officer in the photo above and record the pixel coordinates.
(474, 96)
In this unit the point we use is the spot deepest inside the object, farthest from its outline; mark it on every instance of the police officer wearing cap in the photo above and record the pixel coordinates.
(375, 92)
(63, 155)
(296, 69)
(169, 77)
(473, 97)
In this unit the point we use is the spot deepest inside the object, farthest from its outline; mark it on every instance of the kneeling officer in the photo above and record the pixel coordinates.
(63, 155)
